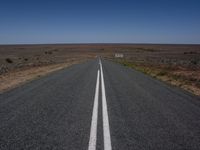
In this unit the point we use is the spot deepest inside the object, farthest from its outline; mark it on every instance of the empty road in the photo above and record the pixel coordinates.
(99, 105)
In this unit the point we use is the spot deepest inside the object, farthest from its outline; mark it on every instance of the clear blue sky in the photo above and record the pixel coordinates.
(102, 21)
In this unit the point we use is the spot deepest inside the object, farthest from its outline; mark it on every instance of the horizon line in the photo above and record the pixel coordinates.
(94, 43)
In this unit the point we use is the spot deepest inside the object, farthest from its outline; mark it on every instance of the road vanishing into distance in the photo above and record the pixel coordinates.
(99, 105)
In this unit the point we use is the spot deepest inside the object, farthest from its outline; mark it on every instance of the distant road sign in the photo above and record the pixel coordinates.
(119, 55)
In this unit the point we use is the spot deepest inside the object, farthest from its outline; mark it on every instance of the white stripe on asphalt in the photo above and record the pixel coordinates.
(93, 130)
(106, 127)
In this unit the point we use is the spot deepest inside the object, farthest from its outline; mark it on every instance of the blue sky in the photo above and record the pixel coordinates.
(102, 21)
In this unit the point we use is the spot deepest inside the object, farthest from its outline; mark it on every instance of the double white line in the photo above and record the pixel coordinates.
(106, 128)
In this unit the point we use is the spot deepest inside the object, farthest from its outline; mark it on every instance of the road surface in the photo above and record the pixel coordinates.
(99, 105)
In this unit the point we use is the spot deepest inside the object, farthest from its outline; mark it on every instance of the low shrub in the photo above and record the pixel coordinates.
(8, 60)
(162, 73)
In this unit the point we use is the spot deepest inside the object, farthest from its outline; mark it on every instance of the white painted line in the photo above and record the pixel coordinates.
(106, 127)
(93, 130)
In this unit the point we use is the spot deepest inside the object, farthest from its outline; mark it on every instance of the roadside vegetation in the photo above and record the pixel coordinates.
(176, 64)
(20, 64)
(188, 79)
(8, 60)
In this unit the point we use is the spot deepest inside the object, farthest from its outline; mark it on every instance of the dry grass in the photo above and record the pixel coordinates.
(184, 78)
(22, 63)
(176, 64)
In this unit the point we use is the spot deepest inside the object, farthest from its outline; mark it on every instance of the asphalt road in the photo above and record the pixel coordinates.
(99, 105)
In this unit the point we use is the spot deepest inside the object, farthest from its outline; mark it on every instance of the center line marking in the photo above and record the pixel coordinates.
(93, 131)
(106, 128)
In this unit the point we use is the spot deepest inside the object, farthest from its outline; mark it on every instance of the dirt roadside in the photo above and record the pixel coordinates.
(16, 78)
(20, 64)
(187, 79)
(178, 65)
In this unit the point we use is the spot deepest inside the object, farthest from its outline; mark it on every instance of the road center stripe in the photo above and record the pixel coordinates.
(93, 130)
(106, 128)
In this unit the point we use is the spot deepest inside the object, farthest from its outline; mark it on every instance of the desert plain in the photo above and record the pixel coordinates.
(177, 65)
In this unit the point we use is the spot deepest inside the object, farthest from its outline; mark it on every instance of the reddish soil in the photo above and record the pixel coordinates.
(182, 61)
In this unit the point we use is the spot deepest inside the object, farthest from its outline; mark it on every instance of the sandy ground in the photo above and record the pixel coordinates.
(176, 64)
(18, 77)
(22, 63)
